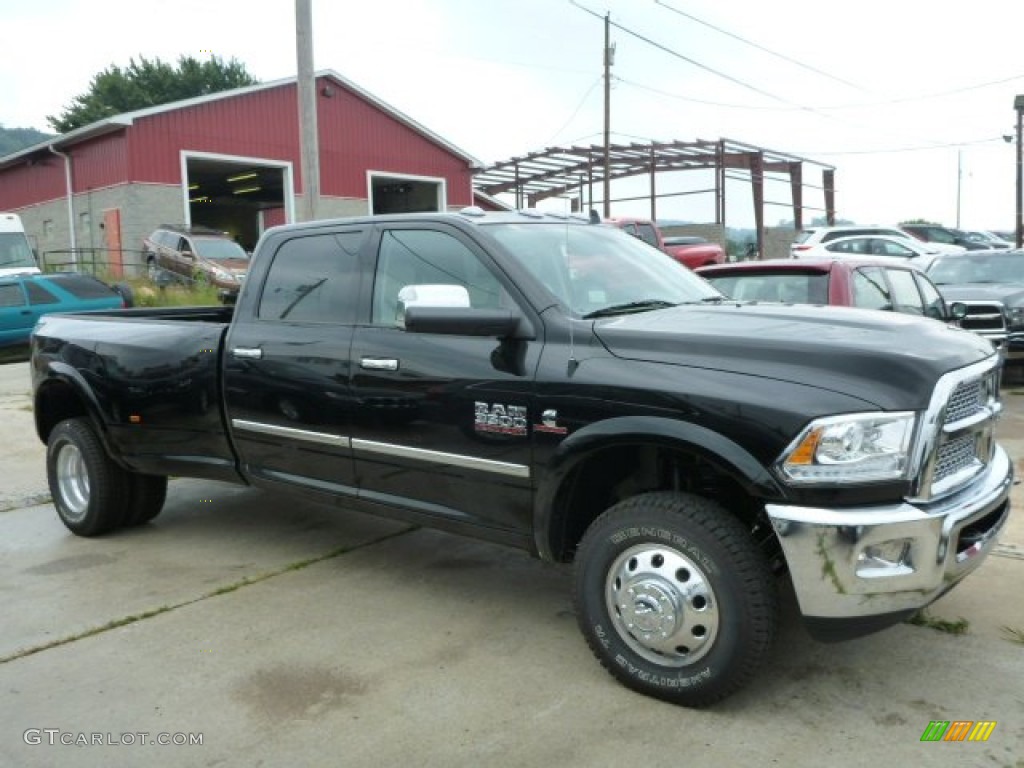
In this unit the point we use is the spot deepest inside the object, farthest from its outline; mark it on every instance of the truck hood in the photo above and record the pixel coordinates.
(890, 360)
(1010, 294)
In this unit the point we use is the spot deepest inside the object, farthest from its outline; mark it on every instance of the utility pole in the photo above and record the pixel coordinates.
(308, 142)
(1018, 104)
(959, 181)
(609, 59)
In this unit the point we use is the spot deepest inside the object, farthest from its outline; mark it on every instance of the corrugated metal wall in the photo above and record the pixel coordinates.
(355, 136)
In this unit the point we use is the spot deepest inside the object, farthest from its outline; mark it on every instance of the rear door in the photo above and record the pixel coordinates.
(441, 425)
(287, 367)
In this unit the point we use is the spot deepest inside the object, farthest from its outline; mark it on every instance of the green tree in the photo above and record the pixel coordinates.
(13, 139)
(147, 83)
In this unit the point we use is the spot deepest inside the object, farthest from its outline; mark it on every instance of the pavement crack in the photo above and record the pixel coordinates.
(226, 589)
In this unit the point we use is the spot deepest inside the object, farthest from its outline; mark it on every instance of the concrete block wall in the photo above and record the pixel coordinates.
(714, 233)
(777, 241)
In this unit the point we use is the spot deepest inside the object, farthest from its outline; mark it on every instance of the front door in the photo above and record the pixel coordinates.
(441, 422)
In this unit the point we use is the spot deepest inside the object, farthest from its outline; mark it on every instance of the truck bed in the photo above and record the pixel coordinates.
(154, 378)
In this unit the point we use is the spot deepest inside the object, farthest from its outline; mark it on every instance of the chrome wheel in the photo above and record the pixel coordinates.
(73, 481)
(662, 605)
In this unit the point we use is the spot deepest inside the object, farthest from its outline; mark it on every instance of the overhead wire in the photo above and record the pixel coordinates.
(760, 47)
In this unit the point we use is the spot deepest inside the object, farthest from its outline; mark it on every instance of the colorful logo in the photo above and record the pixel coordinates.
(958, 730)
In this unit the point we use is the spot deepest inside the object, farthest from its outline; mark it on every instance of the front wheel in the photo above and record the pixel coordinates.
(87, 487)
(674, 598)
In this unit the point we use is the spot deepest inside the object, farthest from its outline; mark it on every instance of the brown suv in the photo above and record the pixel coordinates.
(196, 255)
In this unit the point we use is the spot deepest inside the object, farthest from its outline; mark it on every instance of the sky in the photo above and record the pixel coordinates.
(908, 101)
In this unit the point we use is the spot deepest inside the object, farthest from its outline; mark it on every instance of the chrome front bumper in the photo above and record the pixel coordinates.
(869, 561)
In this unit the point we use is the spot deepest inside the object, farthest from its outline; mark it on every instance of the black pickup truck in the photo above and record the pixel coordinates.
(556, 385)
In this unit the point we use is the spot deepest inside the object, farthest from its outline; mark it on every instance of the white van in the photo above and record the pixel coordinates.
(16, 256)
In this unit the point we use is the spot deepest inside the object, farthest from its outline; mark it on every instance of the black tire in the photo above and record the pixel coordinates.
(146, 497)
(88, 488)
(692, 646)
(126, 293)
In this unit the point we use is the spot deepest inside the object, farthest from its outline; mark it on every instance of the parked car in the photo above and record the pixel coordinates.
(693, 251)
(933, 233)
(689, 250)
(26, 298)
(16, 254)
(905, 249)
(849, 282)
(988, 239)
(991, 285)
(812, 236)
(197, 254)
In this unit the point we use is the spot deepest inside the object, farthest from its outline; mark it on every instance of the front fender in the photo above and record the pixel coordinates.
(727, 455)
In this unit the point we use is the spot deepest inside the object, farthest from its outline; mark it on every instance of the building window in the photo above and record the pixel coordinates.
(85, 220)
(48, 230)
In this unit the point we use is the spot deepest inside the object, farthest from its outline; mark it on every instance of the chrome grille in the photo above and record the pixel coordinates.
(986, 318)
(958, 441)
(959, 453)
(965, 401)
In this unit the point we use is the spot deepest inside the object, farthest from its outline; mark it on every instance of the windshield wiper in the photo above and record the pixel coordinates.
(630, 306)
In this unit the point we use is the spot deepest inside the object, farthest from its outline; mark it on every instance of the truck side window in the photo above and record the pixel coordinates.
(428, 257)
(313, 279)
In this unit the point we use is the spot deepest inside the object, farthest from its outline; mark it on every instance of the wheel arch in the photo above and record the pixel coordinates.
(65, 394)
(637, 454)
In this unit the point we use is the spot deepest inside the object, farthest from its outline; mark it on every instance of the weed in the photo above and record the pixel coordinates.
(1014, 635)
(923, 619)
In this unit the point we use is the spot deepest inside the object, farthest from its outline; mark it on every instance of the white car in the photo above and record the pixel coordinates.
(811, 237)
(904, 249)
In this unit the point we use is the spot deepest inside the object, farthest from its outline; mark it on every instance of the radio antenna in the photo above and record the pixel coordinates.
(573, 363)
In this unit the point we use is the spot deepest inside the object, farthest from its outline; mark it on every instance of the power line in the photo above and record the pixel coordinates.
(760, 47)
(693, 62)
(577, 110)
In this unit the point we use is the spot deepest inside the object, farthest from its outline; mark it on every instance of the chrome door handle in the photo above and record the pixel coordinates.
(379, 364)
(248, 353)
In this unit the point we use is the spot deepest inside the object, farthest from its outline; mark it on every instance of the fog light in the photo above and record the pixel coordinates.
(887, 558)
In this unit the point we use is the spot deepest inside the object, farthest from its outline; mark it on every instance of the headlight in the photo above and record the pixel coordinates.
(1015, 315)
(220, 274)
(856, 448)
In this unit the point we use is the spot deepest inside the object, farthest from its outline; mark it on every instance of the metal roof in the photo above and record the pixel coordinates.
(121, 121)
(556, 170)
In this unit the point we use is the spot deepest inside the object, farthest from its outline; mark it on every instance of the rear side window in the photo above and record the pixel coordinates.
(83, 287)
(313, 279)
(804, 236)
(39, 295)
(904, 292)
(11, 295)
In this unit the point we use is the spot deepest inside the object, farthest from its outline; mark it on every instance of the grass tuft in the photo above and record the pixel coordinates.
(923, 619)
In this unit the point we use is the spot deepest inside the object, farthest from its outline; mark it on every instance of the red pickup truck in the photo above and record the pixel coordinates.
(690, 250)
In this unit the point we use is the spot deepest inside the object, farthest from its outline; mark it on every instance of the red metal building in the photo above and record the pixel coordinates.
(229, 160)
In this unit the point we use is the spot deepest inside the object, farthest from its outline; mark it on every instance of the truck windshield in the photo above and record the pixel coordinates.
(594, 269)
(15, 251)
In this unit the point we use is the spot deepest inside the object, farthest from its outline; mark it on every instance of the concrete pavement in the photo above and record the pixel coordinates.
(290, 633)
